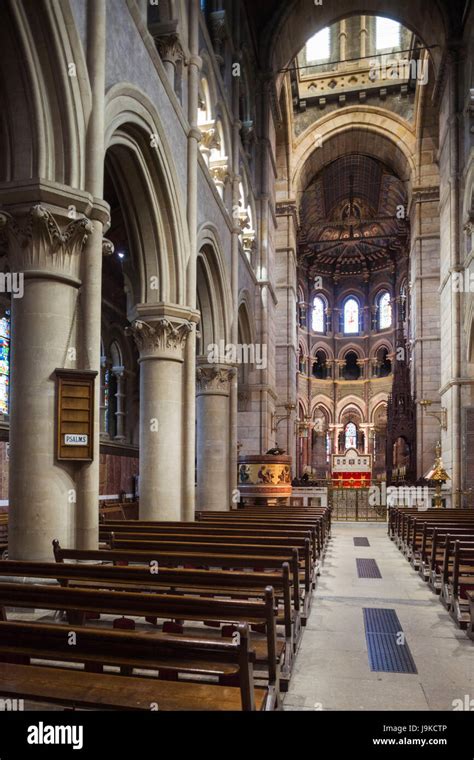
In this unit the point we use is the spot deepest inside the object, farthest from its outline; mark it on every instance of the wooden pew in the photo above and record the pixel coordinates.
(218, 528)
(274, 548)
(409, 540)
(178, 559)
(78, 602)
(441, 553)
(458, 583)
(399, 518)
(3, 534)
(231, 661)
(426, 546)
(200, 529)
(276, 522)
(218, 583)
(470, 626)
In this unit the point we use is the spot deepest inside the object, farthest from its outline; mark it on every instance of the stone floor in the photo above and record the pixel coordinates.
(332, 670)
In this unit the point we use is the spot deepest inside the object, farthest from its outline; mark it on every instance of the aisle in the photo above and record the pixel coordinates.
(332, 668)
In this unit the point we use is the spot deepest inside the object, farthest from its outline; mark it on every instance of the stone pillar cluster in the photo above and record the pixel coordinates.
(46, 246)
(161, 338)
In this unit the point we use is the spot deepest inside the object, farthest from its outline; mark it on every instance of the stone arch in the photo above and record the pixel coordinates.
(323, 403)
(348, 348)
(376, 404)
(45, 110)
(367, 130)
(382, 343)
(321, 346)
(297, 20)
(246, 320)
(139, 161)
(348, 404)
(213, 290)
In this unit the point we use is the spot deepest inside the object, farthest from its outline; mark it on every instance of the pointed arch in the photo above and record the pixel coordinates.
(148, 187)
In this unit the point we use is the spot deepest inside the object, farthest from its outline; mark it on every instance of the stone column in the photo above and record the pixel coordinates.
(161, 337)
(189, 385)
(120, 396)
(47, 250)
(170, 51)
(103, 408)
(213, 430)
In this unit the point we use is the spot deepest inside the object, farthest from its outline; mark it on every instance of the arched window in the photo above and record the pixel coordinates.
(328, 447)
(350, 436)
(318, 315)
(5, 363)
(384, 311)
(351, 316)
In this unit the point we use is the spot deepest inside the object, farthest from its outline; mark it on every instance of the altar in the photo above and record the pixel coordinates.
(351, 470)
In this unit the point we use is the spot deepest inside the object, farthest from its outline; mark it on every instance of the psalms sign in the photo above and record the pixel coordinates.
(75, 415)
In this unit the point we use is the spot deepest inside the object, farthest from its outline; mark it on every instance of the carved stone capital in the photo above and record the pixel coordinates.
(160, 339)
(220, 172)
(214, 379)
(169, 47)
(38, 242)
(219, 31)
(209, 136)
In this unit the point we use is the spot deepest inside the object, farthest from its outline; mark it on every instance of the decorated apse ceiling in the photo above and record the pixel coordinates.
(352, 220)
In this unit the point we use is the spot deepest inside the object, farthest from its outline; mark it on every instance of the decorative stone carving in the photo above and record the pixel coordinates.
(247, 132)
(169, 47)
(161, 339)
(219, 33)
(107, 247)
(214, 379)
(220, 173)
(243, 398)
(39, 243)
(209, 136)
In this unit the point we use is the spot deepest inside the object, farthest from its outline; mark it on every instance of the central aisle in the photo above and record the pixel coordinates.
(332, 669)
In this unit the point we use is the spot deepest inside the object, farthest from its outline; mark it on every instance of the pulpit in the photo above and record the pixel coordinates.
(265, 479)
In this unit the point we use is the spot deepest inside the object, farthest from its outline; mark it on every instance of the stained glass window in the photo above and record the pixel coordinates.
(317, 47)
(351, 316)
(351, 436)
(385, 311)
(328, 447)
(5, 363)
(318, 315)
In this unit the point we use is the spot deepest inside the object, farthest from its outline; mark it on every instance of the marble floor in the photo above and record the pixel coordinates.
(332, 670)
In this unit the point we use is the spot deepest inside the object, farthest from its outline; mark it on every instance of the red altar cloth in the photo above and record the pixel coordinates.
(351, 479)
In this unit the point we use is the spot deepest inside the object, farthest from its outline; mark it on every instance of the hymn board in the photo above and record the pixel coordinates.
(74, 415)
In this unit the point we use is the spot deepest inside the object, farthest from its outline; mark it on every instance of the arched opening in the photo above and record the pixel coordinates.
(351, 369)
(320, 367)
(383, 364)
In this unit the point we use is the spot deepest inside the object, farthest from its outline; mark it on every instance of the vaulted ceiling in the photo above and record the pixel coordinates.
(352, 219)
